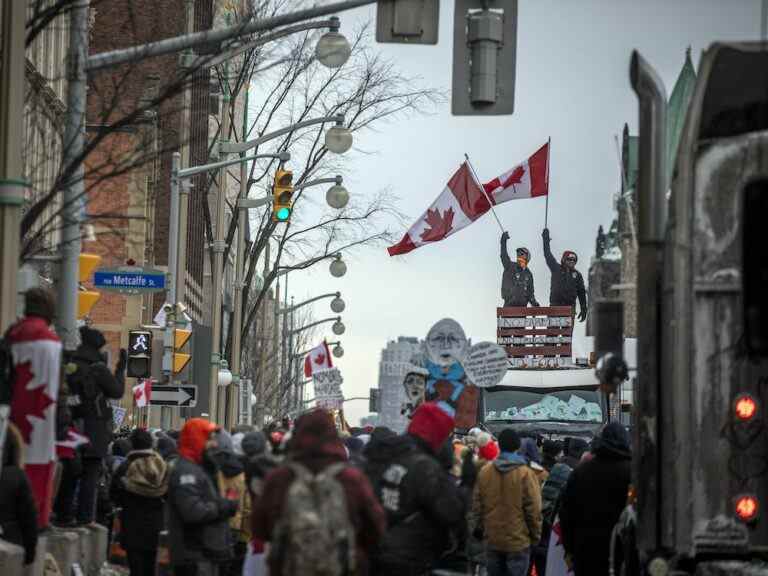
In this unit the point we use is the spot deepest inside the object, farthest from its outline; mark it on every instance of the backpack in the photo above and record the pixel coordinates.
(314, 536)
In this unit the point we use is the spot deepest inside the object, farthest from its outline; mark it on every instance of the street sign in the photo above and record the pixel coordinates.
(130, 280)
(179, 396)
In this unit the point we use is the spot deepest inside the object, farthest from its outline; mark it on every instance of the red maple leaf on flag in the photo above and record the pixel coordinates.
(320, 359)
(439, 225)
(515, 178)
(27, 403)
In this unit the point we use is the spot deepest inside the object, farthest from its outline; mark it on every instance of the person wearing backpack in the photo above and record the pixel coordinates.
(91, 384)
(425, 505)
(318, 513)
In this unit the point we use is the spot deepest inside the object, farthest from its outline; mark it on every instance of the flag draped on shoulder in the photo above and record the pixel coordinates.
(462, 202)
(527, 180)
(318, 359)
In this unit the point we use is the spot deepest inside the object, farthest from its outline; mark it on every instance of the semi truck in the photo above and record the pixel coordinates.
(700, 448)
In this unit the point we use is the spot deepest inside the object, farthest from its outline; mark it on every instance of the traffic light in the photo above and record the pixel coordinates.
(180, 359)
(86, 299)
(139, 354)
(282, 191)
(373, 400)
(407, 21)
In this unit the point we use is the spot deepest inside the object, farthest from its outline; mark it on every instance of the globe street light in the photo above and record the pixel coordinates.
(338, 268)
(333, 49)
(338, 328)
(338, 139)
(225, 376)
(338, 351)
(338, 305)
(337, 196)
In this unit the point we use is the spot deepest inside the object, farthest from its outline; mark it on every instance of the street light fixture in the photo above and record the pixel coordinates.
(338, 138)
(337, 196)
(338, 328)
(338, 351)
(338, 305)
(338, 267)
(225, 376)
(333, 49)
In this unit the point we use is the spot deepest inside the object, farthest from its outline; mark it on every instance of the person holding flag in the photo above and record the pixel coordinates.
(517, 282)
(567, 282)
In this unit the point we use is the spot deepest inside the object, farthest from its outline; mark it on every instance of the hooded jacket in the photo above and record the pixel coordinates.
(93, 383)
(139, 487)
(18, 513)
(566, 284)
(315, 444)
(198, 516)
(516, 283)
(422, 501)
(506, 504)
(231, 481)
(591, 503)
(531, 453)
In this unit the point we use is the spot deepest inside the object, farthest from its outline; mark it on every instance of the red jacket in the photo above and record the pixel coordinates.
(316, 452)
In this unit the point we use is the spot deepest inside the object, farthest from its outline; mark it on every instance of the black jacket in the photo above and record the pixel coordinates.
(422, 502)
(590, 506)
(517, 282)
(198, 527)
(18, 513)
(93, 383)
(567, 285)
(140, 495)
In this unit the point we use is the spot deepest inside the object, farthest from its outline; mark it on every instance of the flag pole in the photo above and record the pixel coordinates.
(477, 181)
(546, 204)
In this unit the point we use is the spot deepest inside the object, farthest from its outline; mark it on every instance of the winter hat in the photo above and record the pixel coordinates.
(92, 338)
(237, 443)
(551, 448)
(529, 450)
(613, 439)
(431, 424)
(575, 447)
(509, 440)
(568, 254)
(224, 441)
(166, 447)
(194, 437)
(314, 431)
(141, 439)
(483, 438)
(254, 444)
(490, 451)
(121, 447)
(40, 302)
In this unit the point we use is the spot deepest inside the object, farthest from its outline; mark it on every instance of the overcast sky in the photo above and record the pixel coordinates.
(572, 86)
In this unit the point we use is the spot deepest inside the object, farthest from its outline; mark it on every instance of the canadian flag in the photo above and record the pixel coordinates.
(142, 392)
(36, 354)
(527, 180)
(462, 202)
(66, 448)
(318, 359)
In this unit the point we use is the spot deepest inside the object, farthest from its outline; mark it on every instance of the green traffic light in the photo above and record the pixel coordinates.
(283, 214)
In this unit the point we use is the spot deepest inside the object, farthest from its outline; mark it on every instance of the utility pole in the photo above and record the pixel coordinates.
(276, 345)
(12, 184)
(263, 346)
(73, 197)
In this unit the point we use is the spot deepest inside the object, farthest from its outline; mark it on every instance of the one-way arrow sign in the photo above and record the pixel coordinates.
(185, 396)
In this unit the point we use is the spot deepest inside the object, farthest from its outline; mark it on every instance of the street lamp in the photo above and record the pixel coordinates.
(338, 351)
(338, 268)
(338, 305)
(333, 49)
(338, 328)
(225, 376)
(337, 196)
(338, 139)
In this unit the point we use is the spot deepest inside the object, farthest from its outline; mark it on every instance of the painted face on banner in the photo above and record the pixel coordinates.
(446, 343)
(415, 385)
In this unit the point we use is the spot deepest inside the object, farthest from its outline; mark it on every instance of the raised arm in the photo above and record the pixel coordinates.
(504, 254)
(553, 264)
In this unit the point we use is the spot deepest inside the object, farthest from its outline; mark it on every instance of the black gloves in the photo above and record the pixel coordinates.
(534, 304)
(505, 236)
(227, 507)
(545, 234)
(583, 315)
(122, 363)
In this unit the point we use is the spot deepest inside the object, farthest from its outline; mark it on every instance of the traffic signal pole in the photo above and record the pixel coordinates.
(73, 197)
(11, 178)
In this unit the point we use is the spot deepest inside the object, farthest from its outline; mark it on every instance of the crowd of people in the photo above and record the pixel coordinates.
(303, 498)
